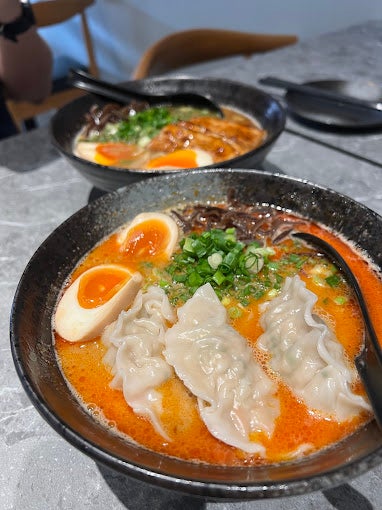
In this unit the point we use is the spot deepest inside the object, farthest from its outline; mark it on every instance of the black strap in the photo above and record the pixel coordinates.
(20, 25)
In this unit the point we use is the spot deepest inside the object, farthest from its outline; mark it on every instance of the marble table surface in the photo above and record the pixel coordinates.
(38, 469)
(353, 54)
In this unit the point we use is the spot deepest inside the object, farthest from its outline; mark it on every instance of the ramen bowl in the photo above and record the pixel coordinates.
(36, 363)
(268, 113)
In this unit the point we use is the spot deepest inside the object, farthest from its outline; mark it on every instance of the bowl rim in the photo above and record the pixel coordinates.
(210, 488)
(233, 162)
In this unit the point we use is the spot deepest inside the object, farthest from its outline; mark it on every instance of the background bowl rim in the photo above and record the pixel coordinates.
(158, 79)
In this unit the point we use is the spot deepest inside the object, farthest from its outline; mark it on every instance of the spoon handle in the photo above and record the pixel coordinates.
(370, 371)
(85, 81)
(125, 95)
(320, 93)
(369, 361)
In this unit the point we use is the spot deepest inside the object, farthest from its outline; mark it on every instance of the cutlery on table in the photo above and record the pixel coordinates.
(320, 93)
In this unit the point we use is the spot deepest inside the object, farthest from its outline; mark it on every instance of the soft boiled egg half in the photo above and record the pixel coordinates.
(149, 236)
(94, 300)
(183, 158)
(108, 154)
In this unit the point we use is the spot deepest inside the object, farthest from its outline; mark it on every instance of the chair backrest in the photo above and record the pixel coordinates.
(193, 46)
(47, 13)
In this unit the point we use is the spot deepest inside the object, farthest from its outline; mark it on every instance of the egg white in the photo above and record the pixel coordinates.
(203, 158)
(77, 324)
(86, 150)
(171, 226)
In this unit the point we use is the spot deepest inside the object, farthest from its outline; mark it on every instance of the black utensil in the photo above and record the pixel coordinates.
(369, 360)
(124, 94)
(321, 93)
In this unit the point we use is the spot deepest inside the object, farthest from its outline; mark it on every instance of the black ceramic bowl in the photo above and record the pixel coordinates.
(67, 122)
(34, 355)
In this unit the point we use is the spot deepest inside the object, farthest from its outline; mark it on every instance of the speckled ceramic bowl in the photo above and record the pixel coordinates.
(34, 355)
(67, 122)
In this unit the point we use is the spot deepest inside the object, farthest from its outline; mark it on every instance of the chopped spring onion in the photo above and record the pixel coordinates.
(234, 312)
(215, 260)
(229, 265)
(333, 280)
(341, 300)
(239, 272)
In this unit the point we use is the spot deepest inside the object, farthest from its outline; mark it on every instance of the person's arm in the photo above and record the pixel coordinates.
(25, 65)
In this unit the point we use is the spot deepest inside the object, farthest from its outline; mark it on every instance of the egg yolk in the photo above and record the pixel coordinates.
(99, 286)
(184, 158)
(147, 239)
(111, 153)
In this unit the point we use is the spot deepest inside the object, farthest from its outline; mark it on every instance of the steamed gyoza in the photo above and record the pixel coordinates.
(236, 398)
(306, 355)
(135, 342)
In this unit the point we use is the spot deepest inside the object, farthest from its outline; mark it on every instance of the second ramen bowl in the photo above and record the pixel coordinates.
(36, 363)
(253, 102)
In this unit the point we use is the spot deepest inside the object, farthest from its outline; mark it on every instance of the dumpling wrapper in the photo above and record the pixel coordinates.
(306, 355)
(135, 343)
(235, 397)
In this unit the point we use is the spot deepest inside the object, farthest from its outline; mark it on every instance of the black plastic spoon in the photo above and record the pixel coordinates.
(369, 360)
(124, 94)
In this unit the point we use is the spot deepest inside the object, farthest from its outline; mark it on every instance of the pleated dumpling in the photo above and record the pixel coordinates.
(306, 355)
(235, 397)
(135, 342)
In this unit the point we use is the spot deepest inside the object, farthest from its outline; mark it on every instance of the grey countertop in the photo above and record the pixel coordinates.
(38, 469)
(353, 54)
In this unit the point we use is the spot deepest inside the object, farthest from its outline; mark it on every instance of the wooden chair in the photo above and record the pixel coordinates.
(202, 44)
(47, 13)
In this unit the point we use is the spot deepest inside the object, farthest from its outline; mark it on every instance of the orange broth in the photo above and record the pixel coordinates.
(89, 377)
